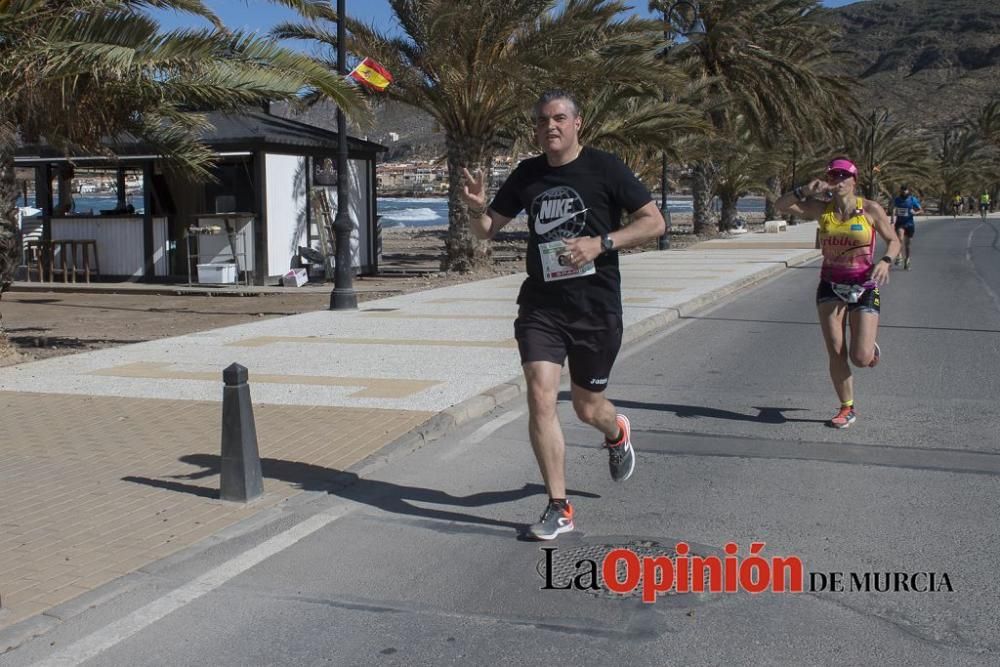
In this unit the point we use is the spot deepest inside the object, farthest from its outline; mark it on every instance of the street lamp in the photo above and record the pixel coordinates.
(343, 296)
(679, 18)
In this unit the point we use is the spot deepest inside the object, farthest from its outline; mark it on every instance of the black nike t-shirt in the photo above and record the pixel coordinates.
(583, 198)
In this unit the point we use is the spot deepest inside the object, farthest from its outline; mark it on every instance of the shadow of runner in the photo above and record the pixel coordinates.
(386, 496)
(765, 415)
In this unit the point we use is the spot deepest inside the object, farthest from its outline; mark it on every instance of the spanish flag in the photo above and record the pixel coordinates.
(371, 74)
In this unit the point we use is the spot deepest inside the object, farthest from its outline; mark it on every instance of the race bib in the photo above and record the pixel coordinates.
(903, 213)
(555, 265)
(848, 293)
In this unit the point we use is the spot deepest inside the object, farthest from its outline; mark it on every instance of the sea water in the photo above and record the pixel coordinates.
(429, 211)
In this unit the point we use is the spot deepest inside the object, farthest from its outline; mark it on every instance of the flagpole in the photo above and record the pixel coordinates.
(343, 296)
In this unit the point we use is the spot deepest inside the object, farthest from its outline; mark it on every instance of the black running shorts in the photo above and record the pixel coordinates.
(908, 229)
(870, 301)
(590, 342)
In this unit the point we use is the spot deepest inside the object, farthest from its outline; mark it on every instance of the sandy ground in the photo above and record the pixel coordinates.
(43, 325)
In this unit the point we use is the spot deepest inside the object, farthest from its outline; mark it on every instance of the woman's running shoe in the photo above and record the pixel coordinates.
(844, 418)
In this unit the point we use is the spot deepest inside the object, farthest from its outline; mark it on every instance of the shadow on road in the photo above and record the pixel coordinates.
(814, 323)
(765, 415)
(386, 496)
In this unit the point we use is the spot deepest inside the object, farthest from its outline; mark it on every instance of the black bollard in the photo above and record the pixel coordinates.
(242, 480)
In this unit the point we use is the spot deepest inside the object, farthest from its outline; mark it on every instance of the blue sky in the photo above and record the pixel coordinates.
(260, 15)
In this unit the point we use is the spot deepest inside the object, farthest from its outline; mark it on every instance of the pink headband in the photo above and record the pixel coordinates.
(843, 165)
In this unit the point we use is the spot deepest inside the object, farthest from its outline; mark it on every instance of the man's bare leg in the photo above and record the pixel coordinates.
(546, 434)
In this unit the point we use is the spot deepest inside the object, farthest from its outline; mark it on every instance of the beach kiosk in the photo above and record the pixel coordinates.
(252, 224)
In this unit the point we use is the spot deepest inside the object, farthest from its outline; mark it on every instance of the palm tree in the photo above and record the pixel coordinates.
(962, 159)
(476, 66)
(888, 153)
(77, 71)
(987, 123)
(765, 61)
(634, 104)
(744, 168)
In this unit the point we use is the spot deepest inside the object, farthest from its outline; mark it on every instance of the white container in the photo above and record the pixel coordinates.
(295, 278)
(217, 273)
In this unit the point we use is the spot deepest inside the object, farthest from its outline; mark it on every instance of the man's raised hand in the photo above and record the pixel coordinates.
(474, 188)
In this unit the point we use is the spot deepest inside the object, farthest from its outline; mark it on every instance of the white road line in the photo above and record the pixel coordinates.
(490, 427)
(968, 258)
(120, 630)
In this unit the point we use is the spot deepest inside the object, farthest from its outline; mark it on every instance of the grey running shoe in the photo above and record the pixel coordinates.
(906, 264)
(621, 456)
(897, 261)
(556, 519)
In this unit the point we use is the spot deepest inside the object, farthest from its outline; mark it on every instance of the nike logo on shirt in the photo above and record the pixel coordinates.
(546, 227)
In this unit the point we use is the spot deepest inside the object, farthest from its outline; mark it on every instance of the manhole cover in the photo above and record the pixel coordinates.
(570, 568)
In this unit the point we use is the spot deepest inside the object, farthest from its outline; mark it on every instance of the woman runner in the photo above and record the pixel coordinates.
(850, 278)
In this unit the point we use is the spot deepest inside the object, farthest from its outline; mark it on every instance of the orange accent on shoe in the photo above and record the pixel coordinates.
(624, 432)
(845, 417)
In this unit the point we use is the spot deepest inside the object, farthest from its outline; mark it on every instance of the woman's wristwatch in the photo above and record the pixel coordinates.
(887, 259)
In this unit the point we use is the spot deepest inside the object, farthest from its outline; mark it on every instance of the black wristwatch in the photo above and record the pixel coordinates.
(887, 259)
(607, 243)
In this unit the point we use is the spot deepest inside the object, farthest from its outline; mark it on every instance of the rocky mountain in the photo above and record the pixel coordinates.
(406, 131)
(929, 62)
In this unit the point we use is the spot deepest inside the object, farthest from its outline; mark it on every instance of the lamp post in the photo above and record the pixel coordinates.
(343, 296)
(678, 18)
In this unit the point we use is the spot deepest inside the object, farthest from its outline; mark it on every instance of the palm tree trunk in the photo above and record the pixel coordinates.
(774, 185)
(729, 212)
(9, 233)
(463, 251)
(701, 196)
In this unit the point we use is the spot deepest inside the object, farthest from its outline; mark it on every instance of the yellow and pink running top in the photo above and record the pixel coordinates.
(848, 246)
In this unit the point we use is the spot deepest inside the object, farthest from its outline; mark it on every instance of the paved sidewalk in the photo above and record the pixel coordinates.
(98, 445)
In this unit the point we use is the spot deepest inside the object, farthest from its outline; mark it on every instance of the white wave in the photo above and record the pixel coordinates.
(411, 215)
(415, 200)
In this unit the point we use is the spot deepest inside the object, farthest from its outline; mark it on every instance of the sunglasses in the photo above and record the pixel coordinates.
(838, 175)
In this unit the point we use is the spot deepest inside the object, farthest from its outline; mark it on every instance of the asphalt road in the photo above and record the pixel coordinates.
(419, 563)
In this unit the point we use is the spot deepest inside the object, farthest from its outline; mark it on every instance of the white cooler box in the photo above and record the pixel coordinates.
(295, 278)
(217, 273)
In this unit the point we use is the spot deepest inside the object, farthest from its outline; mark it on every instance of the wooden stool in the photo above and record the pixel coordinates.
(42, 255)
(87, 248)
(38, 258)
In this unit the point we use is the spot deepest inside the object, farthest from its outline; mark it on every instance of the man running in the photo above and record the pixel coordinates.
(984, 204)
(956, 205)
(905, 205)
(570, 303)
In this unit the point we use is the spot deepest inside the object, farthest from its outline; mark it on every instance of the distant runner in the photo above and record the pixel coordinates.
(850, 278)
(984, 204)
(956, 205)
(905, 205)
